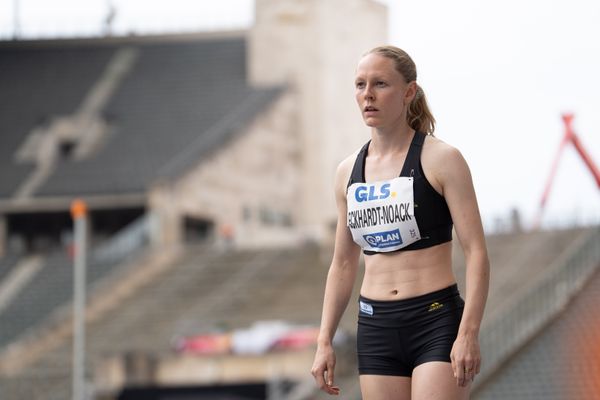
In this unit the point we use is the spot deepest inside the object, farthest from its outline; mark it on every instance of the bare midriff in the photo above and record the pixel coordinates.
(406, 274)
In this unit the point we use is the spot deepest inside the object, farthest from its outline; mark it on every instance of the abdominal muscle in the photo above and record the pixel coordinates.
(406, 274)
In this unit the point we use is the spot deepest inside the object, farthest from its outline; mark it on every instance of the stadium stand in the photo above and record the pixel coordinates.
(203, 291)
(50, 288)
(515, 266)
(38, 83)
(7, 262)
(57, 79)
(530, 307)
(208, 290)
(561, 362)
(152, 132)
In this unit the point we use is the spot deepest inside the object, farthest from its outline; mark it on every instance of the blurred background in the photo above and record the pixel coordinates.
(204, 137)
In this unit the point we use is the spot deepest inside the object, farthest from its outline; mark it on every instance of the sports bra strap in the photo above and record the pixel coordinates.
(411, 167)
(413, 158)
(359, 165)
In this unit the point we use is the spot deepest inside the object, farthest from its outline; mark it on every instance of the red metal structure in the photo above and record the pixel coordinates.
(570, 137)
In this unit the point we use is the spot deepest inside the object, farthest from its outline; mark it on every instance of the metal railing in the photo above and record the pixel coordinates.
(505, 224)
(125, 243)
(504, 335)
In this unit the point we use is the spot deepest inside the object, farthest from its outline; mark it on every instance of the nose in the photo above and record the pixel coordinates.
(369, 93)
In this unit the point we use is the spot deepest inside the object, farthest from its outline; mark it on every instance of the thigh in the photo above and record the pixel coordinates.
(385, 387)
(435, 381)
(379, 352)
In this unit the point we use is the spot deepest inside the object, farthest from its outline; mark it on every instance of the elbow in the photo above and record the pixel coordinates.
(344, 265)
(478, 257)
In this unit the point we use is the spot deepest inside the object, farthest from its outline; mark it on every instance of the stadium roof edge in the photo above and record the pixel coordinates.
(129, 39)
(62, 203)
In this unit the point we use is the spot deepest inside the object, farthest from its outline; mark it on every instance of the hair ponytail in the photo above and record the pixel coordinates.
(418, 115)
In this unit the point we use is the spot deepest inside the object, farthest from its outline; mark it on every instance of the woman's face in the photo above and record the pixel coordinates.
(381, 91)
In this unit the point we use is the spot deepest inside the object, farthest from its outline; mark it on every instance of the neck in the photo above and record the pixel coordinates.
(387, 141)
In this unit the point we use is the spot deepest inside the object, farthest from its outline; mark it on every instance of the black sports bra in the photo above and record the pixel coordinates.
(430, 208)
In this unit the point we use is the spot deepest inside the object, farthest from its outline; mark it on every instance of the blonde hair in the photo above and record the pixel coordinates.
(418, 115)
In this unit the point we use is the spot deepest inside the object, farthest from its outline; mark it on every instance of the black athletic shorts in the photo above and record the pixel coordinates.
(395, 336)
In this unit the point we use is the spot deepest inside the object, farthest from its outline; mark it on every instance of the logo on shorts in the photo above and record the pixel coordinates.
(366, 308)
(435, 306)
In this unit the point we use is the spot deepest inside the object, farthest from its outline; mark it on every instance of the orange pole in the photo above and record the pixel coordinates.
(78, 209)
(569, 136)
(587, 159)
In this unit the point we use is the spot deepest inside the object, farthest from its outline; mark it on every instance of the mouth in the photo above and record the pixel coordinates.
(370, 109)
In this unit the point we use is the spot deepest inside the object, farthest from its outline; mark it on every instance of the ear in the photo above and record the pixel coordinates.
(411, 92)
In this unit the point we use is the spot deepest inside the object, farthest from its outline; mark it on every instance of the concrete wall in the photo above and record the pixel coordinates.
(314, 46)
(251, 184)
(112, 374)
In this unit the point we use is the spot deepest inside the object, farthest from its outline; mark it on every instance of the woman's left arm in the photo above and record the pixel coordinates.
(457, 185)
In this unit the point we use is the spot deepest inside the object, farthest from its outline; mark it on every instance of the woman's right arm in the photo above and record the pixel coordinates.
(338, 289)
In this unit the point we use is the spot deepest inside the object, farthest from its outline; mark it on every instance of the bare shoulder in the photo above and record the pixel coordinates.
(344, 170)
(440, 151)
(442, 162)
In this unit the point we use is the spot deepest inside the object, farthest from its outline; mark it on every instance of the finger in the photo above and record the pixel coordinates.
(474, 367)
(469, 374)
(333, 390)
(465, 374)
(330, 368)
(454, 367)
(318, 374)
(329, 380)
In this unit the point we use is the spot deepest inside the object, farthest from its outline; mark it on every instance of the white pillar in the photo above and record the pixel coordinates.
(79, 214)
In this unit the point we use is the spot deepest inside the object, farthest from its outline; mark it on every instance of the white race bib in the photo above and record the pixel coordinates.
(381, 215)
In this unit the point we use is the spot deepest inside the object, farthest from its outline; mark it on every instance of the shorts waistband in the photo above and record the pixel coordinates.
(412, 302)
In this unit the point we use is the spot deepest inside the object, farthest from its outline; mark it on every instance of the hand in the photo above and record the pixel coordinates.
(466, 359)
(323, 367)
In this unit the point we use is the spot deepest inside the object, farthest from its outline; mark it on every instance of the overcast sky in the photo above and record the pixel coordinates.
(498, 76)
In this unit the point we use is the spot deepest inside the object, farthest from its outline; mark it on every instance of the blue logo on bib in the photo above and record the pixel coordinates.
(369, 193)
(382, 240)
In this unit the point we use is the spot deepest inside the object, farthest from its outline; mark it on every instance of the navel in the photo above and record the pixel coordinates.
(394, 292)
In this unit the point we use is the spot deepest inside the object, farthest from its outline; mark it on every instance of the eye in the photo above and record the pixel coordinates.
(359, 84)
(381, 83)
